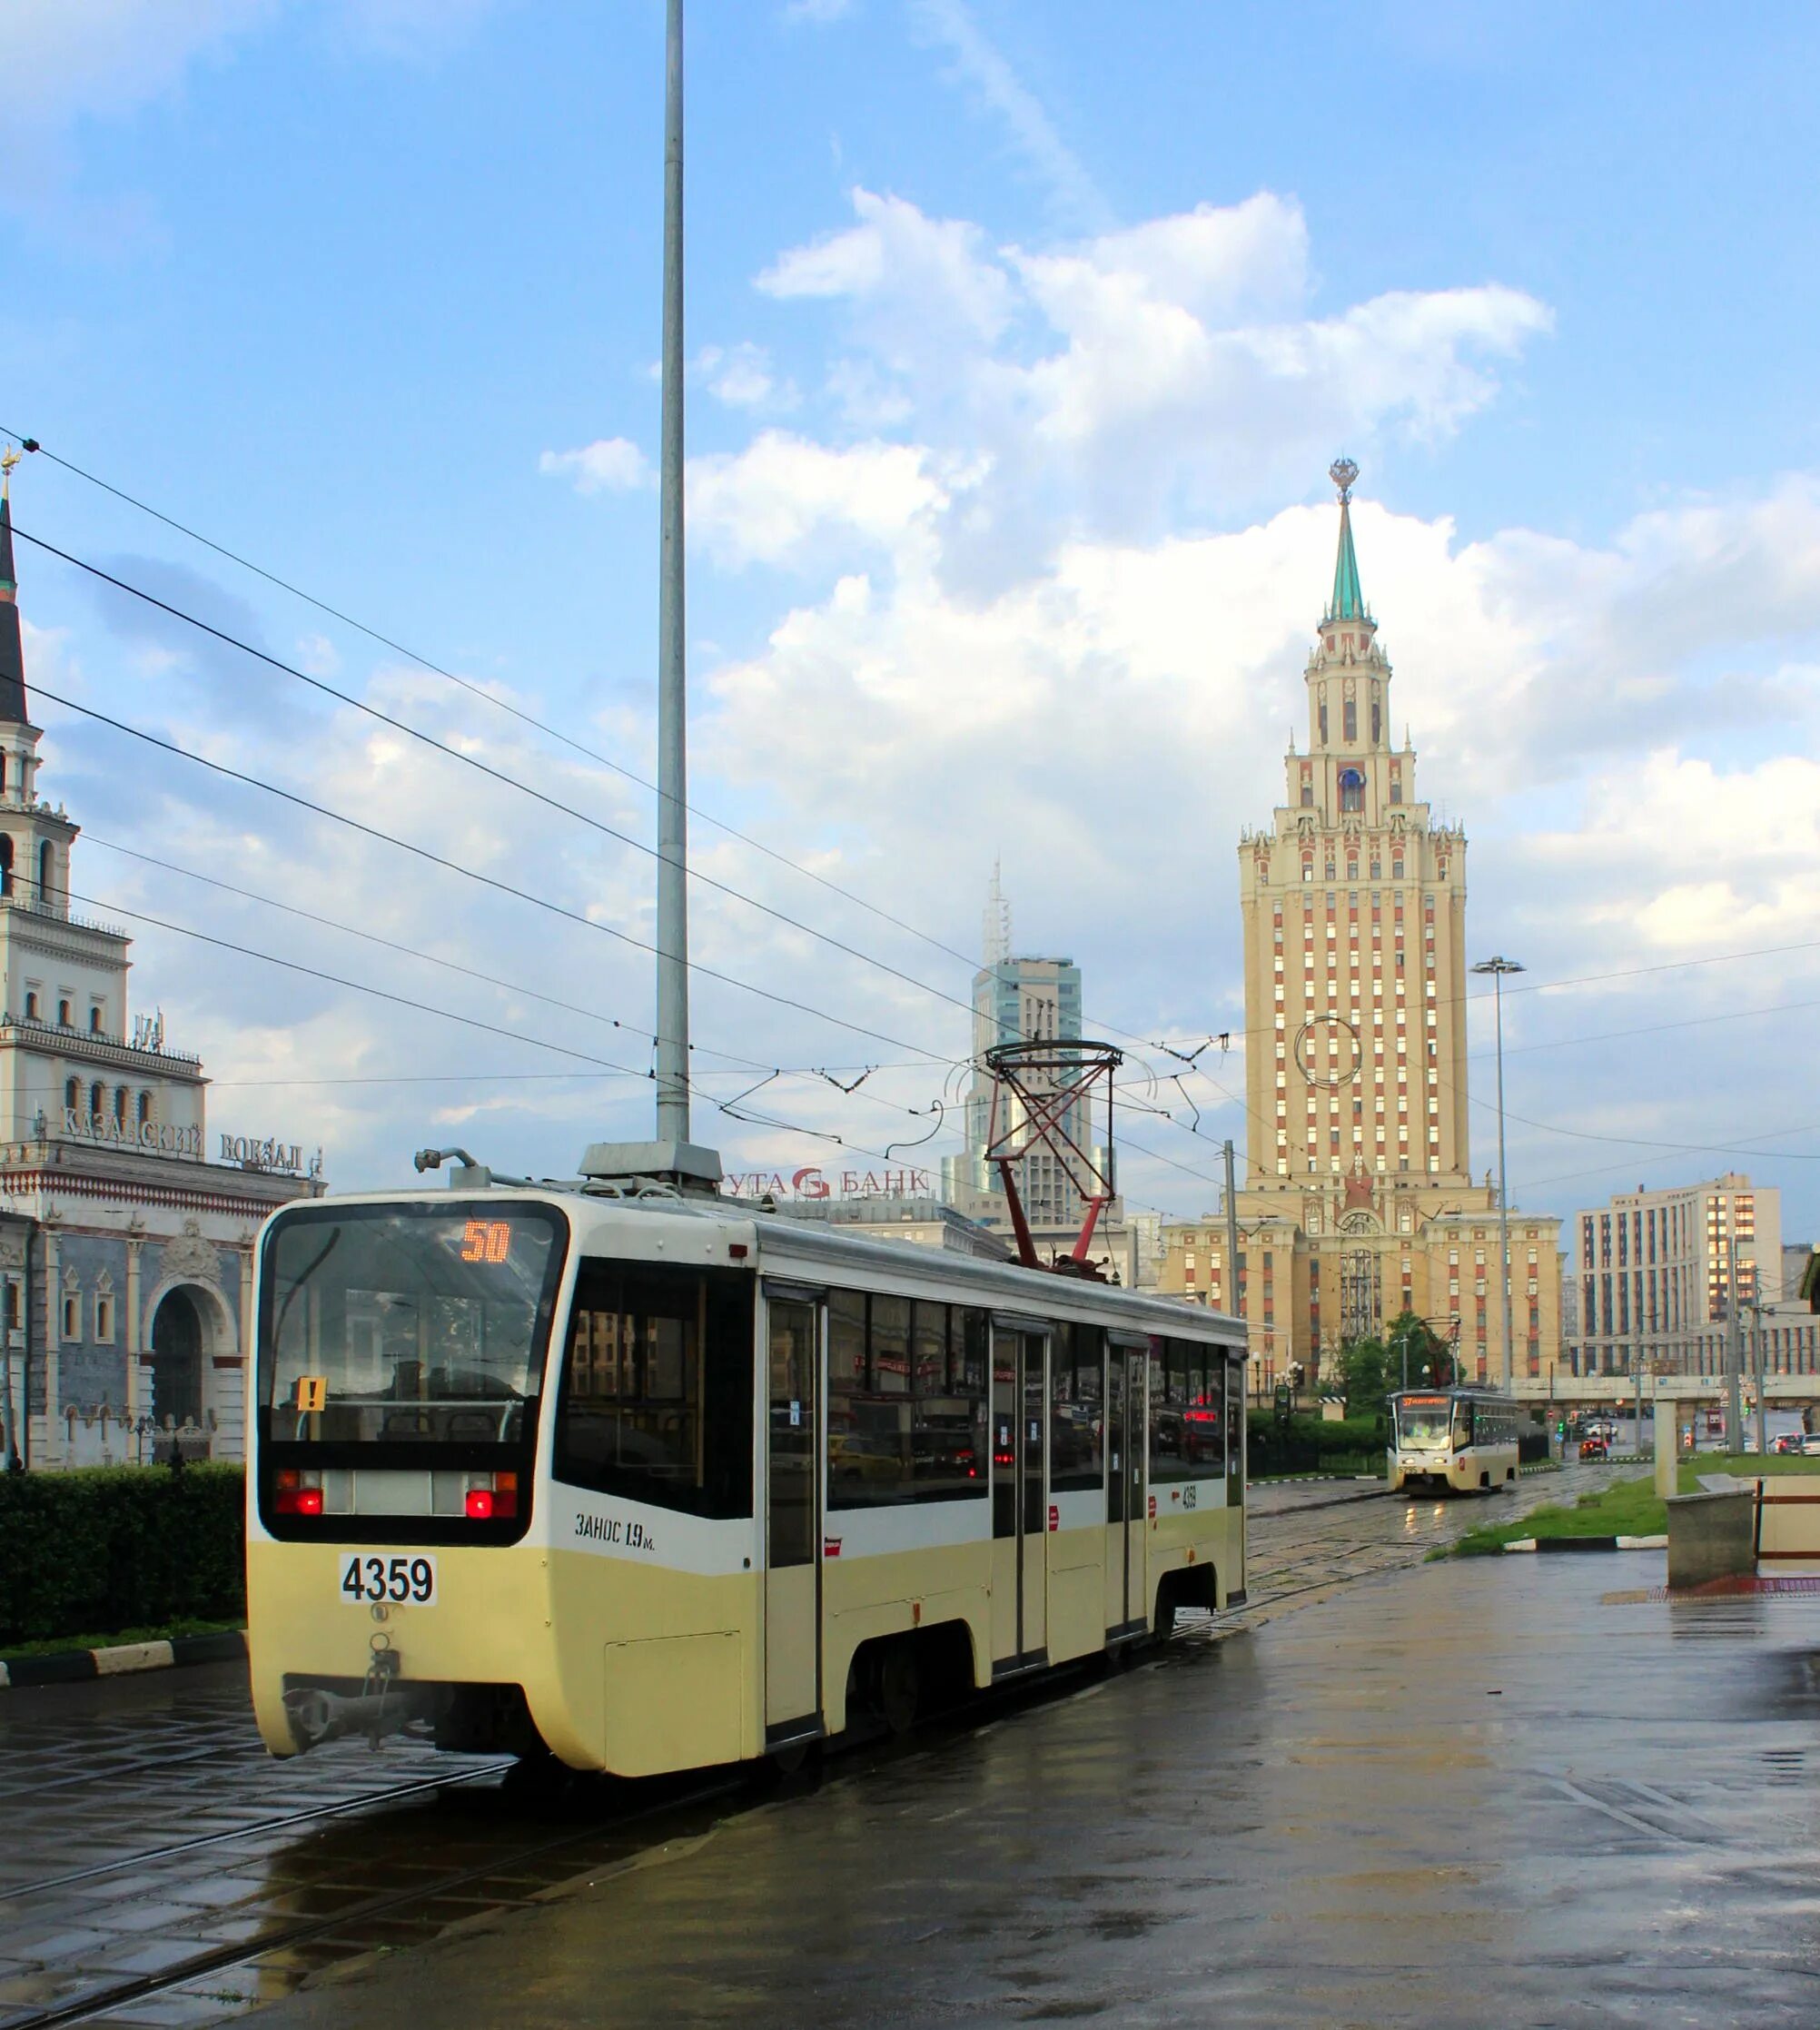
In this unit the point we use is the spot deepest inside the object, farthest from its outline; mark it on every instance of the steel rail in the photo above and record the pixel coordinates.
(255, 1831)
(220, 1958)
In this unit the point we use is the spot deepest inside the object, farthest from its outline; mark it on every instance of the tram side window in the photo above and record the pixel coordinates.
(907, 1400)
(1077, 1421)
(657, 1395)
(1187, 1411)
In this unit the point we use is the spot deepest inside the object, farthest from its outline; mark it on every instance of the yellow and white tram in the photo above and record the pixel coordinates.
(661, 1483)
(1464, 1438)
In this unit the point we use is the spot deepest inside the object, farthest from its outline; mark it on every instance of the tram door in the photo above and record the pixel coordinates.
(793, 1568)
(1125, 1432)
(1019, 1514)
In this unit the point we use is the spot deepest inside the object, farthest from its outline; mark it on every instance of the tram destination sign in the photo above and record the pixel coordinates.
(811, 1183)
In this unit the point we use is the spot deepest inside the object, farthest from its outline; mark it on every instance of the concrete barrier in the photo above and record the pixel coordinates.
(1712, 1536)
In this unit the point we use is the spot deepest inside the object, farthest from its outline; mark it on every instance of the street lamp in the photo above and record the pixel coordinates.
(1497, 968)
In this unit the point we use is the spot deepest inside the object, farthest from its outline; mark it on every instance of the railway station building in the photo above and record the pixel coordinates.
(1359, 1201)
(126, 1260)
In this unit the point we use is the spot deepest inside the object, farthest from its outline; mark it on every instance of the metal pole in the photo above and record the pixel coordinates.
(1733, 1408)
(673, 1081)
(1233, 1252)
(1503, 1191)
(1756, 1371)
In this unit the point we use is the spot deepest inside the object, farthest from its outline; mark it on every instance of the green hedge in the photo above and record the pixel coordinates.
(1312, 1445)
(120, 1546)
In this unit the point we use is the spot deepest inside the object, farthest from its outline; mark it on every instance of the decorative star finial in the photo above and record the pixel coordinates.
(9, 458)
(1342, 472)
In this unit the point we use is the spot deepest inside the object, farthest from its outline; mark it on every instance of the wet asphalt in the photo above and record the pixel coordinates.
(1511, 1791)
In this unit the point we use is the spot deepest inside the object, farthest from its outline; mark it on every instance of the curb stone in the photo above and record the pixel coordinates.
(71, 1667)
(1587, 1543)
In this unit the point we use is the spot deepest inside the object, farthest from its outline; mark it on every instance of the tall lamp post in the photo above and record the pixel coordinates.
(1497, 968)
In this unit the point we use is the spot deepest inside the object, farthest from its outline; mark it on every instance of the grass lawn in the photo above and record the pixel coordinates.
(165, 1634)
(1624, 1509)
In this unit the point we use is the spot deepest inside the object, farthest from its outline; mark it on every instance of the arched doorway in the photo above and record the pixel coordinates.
(177, 1360)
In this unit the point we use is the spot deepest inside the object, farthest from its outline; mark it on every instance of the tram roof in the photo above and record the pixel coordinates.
(803, 1251)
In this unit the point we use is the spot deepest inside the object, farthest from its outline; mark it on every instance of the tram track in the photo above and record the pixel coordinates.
(260, 1829)
(104, 2000)
(502, 1863)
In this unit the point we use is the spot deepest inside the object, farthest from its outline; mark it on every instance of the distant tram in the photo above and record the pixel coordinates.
(648, 1482)
(1463, 1439)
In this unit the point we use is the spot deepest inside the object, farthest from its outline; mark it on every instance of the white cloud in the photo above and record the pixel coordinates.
(412, 29)
(771, 502)
(1117, 381)
(742, 377)
(1003, 631)
(981, 68)
(608, 465)
(900, 262)
(65, 58)
(62, 61)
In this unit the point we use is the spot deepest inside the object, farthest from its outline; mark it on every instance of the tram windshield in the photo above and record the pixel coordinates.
(1424, 1423)
(406, 1326)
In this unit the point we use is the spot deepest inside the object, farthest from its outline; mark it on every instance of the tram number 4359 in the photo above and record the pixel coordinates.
(373, 1577)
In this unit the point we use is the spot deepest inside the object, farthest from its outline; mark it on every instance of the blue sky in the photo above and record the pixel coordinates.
(1023, 337)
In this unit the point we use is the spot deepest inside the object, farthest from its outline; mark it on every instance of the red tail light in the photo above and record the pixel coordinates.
(297, 1492)
(492, 1496)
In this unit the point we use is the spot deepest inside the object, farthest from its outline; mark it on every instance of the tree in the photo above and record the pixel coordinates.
(1364, 1375)
(1430, 1363)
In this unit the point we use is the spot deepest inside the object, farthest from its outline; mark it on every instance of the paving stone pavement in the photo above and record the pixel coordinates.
(148, 1827)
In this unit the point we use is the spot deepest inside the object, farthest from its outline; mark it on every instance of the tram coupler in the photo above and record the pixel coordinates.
(383, 1706)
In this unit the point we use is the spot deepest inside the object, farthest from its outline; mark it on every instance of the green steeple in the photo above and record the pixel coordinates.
(1348, 601)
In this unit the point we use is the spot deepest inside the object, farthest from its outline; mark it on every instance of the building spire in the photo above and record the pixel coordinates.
(996, 926)
(1348, 601)
(12, 649)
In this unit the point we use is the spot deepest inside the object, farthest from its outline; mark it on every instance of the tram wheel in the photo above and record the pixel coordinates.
(899, 1687)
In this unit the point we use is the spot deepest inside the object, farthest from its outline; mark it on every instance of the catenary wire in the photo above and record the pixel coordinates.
(729, 1108)
(471, 874)
(485, 696)
(393, 945)
(482, 767)
(478, 691)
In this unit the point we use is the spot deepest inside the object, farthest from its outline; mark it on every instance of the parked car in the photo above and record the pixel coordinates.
(1594, 1448)
(1810, 1445)
(1788, 1442)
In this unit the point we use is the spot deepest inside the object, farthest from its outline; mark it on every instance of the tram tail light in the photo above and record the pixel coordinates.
(492, 1496)
(298, 1490)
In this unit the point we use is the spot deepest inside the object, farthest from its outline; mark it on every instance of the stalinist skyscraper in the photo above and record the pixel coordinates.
(1358, 1201)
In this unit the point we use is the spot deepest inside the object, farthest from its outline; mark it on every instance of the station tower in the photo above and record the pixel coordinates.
(1359, 1202)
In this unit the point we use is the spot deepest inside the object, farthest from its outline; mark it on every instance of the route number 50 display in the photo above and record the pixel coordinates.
(371, 1578)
